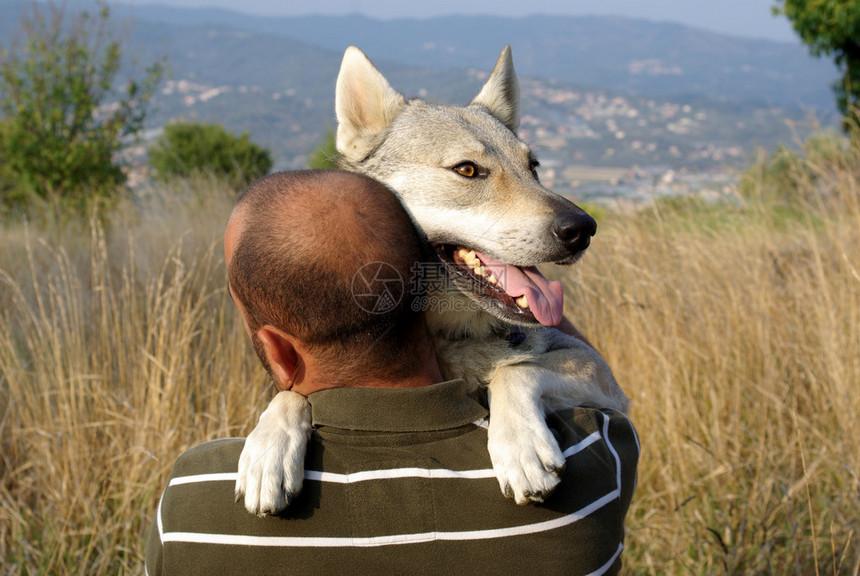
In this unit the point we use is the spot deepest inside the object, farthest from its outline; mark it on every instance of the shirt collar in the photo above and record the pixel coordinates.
(436, 407)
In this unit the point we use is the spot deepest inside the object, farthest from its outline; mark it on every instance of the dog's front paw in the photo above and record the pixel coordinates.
(272, 463)
(526, 458)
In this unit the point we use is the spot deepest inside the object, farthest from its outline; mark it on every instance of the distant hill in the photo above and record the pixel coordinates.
(279, 89)
(611, 53)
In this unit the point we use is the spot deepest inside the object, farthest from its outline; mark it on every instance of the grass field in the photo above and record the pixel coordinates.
(734, 327)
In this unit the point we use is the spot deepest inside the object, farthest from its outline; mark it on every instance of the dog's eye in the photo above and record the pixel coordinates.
(469, 170)
(533, 166)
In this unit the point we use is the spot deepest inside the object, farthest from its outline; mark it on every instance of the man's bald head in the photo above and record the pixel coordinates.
(294, 244)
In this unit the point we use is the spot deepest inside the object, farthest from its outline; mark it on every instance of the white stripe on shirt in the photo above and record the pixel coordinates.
(389, 474)
(605, 568)
(612, 449)
(391, 539)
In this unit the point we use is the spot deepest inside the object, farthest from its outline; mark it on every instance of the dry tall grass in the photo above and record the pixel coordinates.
(118, 349)
(734, 328)
(736, 332)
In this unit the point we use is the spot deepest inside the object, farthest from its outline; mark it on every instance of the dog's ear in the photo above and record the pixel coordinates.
(501, 94)
(365, 105)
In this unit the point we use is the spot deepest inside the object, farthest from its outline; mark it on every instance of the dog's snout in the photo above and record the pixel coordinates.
(575, 229)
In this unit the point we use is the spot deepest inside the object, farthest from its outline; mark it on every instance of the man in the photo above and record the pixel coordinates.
(398, 479)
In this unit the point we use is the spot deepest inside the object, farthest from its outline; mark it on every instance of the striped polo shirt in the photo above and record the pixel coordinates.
(399, 481)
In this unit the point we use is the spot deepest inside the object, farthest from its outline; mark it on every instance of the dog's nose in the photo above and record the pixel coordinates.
(575, 229)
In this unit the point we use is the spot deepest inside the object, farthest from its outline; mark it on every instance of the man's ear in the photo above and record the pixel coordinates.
(281, 355)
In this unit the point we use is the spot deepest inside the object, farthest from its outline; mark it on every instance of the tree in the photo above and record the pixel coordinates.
(831, 28)
(324, 155)
(64, 121)
(186, 149)
(10, 194)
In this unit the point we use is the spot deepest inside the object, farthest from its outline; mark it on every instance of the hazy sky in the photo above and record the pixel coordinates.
(750, 18)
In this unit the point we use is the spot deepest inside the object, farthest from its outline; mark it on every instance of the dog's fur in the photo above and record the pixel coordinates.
(416, 148)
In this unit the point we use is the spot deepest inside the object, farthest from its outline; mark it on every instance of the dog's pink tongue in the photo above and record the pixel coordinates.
(546, 299)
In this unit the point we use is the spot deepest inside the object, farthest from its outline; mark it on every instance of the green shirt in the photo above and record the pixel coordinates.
(399, 481)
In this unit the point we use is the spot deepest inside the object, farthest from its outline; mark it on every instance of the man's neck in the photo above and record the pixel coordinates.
(430, 375)
(316, 378)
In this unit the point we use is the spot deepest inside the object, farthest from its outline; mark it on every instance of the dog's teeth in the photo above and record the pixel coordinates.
(472, 261)
(492, 279)
(469, 257)
(522, 302)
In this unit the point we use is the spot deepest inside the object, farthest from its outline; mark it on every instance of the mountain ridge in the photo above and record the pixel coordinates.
(615, 53)
(660, 114)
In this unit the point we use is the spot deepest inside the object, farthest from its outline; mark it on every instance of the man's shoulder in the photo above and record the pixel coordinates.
(599, 445)
(597, 431)
(584, 421)
(212, 457)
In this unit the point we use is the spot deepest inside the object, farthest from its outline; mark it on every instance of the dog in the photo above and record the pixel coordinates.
(471, 186)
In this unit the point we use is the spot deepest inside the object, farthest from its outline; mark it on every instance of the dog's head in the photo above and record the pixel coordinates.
(470, 184)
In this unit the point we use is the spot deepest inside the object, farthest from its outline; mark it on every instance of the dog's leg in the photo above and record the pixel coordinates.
(574, 374)
(525, 455)
(272, 463)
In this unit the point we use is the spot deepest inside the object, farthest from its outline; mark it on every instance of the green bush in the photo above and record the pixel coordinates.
(187, 149)
(64, 121)
(789, 176)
